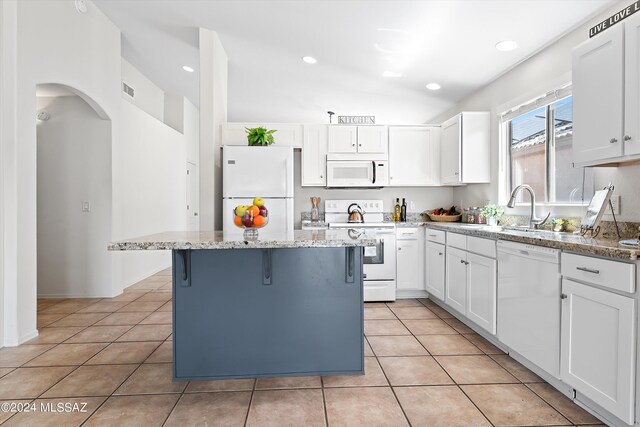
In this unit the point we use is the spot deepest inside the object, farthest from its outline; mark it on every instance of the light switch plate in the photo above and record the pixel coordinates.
(86, 207)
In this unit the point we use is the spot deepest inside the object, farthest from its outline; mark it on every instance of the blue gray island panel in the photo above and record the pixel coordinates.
(280, 305)
(268, 312)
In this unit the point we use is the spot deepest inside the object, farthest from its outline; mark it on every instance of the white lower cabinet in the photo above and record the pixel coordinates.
(481, 291)
(598, 346)
(456, 289)
(435, 269)
(472, 279)
(410, 259)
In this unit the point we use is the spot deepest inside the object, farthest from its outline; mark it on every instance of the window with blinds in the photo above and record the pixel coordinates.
(539, 142)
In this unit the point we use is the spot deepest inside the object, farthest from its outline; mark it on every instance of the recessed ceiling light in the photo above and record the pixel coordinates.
(506, 45)
(188, 69)
(391, 74)
(433, 86)
(309, 59)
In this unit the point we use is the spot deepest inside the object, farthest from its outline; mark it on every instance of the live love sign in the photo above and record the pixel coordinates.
(612, 20)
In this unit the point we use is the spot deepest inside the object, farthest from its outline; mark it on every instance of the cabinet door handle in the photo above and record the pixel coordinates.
(563, 296)
(588, 270)
(463, 261)
(399, 249)
(613, 140)
(627, 138)
(439, 253)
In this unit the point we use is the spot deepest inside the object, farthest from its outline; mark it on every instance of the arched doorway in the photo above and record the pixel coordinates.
(74, 194)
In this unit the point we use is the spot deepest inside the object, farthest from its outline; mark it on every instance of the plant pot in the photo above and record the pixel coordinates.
(492, 221)
(558, 227)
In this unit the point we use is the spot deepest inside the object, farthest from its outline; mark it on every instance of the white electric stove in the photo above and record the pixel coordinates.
(379, 260)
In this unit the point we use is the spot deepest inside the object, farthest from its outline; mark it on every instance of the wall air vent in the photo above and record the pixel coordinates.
(128, 90)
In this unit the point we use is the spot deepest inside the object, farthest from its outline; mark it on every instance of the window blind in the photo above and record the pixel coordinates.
(535, 103)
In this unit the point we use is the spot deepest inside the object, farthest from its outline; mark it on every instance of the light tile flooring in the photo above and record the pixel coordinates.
(423, 368)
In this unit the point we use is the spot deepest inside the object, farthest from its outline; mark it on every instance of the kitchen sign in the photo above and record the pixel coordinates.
(358, 120)
(614, 19)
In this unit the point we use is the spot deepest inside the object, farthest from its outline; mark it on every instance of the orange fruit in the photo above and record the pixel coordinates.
(237, 221)
(259, 221)
(254, 211)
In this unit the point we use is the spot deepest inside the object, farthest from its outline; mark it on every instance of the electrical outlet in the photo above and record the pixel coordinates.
(615, 202)
(86, 207)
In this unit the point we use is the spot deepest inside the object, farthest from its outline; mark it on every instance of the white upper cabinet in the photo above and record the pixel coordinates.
(631, 136)
(314, 156)
(343, 139)
(372, 139)
(598, 97)
(606, 96)
(287, 134)
(358, 139)
(414, 156)
(465, 149)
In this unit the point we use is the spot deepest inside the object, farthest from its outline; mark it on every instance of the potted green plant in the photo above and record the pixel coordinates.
(260, 136)
(559, 224)
(492, 212)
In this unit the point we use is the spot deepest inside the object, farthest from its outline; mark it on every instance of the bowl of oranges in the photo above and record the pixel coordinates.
(251, 217)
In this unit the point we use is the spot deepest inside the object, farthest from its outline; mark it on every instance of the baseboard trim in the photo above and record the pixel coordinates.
(402, 294)
(26, 337)
(62, 296)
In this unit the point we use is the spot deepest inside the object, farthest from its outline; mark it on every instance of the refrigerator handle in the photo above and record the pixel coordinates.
(288, 167)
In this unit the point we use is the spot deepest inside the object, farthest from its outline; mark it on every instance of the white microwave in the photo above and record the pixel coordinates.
(357, 173)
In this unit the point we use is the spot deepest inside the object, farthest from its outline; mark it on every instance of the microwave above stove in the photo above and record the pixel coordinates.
(361, 173)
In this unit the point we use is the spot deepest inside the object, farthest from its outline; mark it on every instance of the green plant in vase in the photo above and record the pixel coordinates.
(260, 136)
(492, 212)
(559, 224)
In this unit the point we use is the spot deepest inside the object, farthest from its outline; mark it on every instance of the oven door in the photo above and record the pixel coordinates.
(380, 260)
(356, 173)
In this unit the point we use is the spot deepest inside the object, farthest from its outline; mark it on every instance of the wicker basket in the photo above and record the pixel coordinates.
(442, 218)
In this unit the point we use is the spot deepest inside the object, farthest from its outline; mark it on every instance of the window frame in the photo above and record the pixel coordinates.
(505, 138)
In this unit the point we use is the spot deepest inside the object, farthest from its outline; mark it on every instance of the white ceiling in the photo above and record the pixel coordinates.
(446, 41)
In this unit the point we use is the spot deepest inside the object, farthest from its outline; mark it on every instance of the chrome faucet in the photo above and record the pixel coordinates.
(534, 222)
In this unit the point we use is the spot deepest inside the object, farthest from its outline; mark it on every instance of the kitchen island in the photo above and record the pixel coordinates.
(283, 305)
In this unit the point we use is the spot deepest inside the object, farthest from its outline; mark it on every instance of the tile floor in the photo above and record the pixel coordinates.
(423, 368)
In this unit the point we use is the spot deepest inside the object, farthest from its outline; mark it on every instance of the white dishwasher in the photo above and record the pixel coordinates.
(529, 287)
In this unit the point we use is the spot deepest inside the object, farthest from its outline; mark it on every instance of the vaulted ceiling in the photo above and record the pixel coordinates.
(451, 42)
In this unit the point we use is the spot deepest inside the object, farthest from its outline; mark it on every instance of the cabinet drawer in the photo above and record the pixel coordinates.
(602, 272)
(437, 236)
(457, 240)
(408, 233)
(478, 245)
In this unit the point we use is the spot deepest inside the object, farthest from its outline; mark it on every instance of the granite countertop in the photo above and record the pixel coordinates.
(177, 240)
(609, 248)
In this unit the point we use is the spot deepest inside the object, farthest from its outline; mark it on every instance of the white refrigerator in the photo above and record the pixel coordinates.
(266, 172)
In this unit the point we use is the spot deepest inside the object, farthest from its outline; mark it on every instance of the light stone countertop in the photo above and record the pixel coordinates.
(181, 240)
(608, 248)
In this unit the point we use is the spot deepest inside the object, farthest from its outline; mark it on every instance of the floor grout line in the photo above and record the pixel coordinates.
(253, 390)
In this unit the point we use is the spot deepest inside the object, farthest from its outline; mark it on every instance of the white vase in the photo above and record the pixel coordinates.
(492, 221)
